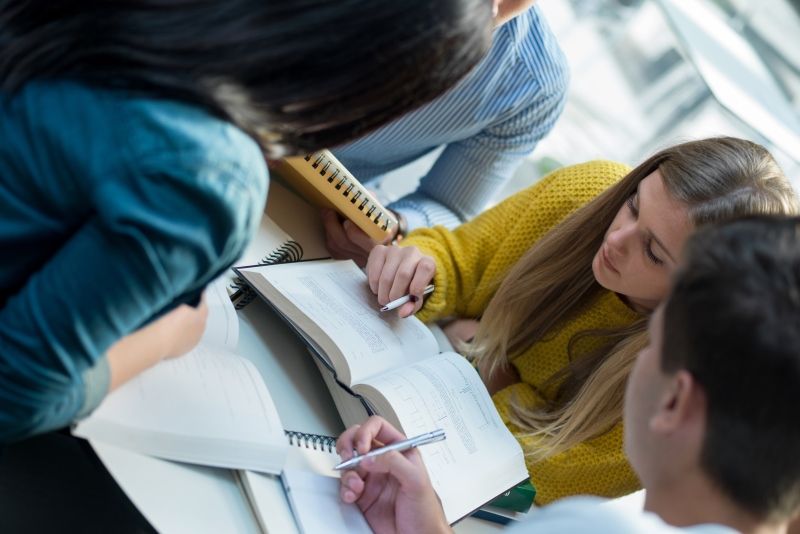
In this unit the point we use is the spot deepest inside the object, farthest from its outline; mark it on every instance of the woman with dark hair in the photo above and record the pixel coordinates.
(132, 169)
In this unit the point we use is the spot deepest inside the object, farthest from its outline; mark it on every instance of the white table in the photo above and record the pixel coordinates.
(178, 498)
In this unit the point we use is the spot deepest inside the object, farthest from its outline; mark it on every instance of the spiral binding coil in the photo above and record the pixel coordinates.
(345, 182)
(311, 441)
(289, 252)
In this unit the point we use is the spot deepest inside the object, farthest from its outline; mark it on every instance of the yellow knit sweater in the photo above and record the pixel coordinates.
(471, 258)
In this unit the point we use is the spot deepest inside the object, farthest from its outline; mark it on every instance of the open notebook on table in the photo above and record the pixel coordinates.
(395, 365)
(312, 490)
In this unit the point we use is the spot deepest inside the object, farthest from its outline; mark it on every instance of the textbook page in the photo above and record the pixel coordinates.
(331, 302)
(480, 458)
(208, 407)
(222, 324)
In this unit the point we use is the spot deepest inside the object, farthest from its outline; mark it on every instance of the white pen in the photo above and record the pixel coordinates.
(400, 446)
(396, 303)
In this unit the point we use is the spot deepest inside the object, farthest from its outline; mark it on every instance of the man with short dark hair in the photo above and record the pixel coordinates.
(711, 424)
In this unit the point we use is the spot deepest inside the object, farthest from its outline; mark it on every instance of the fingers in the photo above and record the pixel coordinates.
(351, 487)
(393, 272)
(362, 437)
(423, 274)
(406, 467)
(345, 443)
(388, 276)
(409, 308)
(410, 474)
(358, 237)
(375, 262)
(337, 241)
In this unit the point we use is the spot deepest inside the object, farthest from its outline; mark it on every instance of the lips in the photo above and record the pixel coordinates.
(607, 259)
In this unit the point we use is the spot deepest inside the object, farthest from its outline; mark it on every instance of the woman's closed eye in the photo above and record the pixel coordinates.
(647, 245)
(648, 250)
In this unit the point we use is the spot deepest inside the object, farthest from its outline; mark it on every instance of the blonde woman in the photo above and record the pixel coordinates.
(562, 276)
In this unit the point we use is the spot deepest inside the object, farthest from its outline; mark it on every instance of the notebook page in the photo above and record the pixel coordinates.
(268, 238)
(208, 407)
(310, 488)
(480, 458)
(315, 503)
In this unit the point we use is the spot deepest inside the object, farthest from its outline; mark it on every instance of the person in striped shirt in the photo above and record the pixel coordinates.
(486, 124)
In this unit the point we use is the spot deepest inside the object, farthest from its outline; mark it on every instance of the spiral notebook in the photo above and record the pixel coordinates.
(270, 245)
(324, 180)
(311, 489)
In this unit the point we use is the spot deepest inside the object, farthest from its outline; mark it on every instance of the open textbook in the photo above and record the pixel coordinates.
(395, 365)
(211, 407)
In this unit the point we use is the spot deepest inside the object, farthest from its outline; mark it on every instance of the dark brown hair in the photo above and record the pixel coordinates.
(298, 75)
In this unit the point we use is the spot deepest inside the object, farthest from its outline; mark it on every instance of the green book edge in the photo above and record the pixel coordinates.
(517, 499)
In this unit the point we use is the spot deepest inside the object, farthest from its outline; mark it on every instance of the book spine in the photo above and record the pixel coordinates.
(328, 176)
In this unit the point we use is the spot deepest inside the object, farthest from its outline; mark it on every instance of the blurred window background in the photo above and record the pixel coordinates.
(646, 74)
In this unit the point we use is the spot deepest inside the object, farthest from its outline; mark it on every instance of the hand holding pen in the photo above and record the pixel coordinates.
(395, 272)
(398, 446)
(392, 490)
(396, 303)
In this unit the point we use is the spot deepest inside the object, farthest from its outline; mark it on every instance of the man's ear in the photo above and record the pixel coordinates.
(681, 402)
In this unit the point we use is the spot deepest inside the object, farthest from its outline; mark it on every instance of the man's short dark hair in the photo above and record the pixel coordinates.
(733, 321)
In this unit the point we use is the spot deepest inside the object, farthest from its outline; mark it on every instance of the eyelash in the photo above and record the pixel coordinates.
(648, 249)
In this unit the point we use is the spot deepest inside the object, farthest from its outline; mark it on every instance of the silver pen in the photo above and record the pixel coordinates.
(396, 303)
(400, 446)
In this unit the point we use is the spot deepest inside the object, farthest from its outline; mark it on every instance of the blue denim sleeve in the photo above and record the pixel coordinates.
(166, 223)
(96, 381)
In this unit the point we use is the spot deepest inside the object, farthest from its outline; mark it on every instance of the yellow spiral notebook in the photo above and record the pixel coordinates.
(323, 180)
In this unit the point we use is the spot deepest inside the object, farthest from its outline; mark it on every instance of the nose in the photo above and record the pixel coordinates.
(619, 238)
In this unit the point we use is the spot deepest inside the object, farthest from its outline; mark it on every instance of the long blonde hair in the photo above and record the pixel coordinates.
(718, 179)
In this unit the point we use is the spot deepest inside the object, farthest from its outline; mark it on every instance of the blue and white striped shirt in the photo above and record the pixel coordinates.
(487, 123)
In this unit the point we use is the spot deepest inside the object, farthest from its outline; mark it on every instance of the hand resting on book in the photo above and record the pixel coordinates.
(393, 490)
(395, 271)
